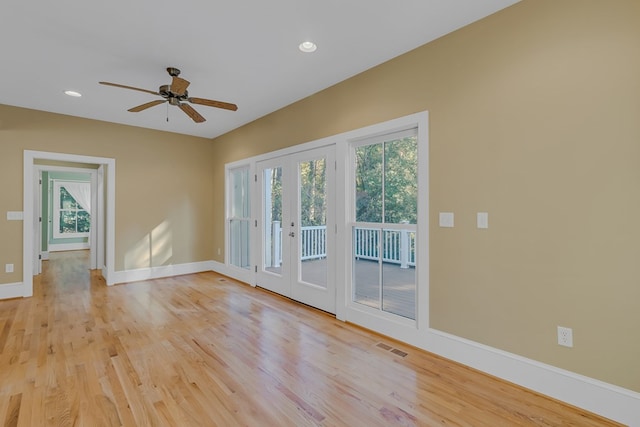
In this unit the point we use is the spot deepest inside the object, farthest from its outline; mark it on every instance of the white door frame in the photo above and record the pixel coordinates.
(288, 282)
(276, 282)
(37, 225)
(105, 258)
(323, 297)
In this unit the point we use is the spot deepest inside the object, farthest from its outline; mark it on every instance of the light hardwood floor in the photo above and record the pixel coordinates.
(203, 350)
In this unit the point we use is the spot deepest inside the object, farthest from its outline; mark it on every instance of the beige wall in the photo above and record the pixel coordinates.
(163, 186)
(534, 118)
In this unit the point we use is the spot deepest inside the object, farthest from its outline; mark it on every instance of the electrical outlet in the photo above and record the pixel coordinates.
(565, 336)
(8, 268)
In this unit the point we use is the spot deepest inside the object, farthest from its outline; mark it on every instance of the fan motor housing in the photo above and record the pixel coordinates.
(165, 92)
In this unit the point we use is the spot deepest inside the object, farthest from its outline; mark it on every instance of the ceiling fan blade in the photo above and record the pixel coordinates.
(129, 87)
(179, 86)
(212, 103)
(147, 105)
(195, 116)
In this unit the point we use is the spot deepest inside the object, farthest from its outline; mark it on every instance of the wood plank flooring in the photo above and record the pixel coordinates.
(203, 350)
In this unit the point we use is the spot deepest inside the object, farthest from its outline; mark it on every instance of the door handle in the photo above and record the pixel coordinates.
(292, 234)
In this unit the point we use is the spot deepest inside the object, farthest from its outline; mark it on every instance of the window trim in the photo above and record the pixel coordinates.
(410, 331)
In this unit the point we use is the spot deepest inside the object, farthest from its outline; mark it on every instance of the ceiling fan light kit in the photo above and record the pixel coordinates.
(176, 94)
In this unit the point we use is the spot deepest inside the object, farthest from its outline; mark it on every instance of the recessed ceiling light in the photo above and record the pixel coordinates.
(308, 47)
(73, 93)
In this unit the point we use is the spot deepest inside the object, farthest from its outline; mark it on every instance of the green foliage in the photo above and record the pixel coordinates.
(386, 181)
(369, 173)
(401, 181)
(66, 200)
(275, 177)
(313, 204)
(73, 219)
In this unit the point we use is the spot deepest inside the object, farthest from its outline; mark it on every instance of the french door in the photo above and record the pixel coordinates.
(297, 227)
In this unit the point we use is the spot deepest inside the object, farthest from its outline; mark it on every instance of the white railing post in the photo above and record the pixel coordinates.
(404, 249)
(276, 256)
(313, 242)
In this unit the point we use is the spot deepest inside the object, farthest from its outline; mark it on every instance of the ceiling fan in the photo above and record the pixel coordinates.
(176, 94)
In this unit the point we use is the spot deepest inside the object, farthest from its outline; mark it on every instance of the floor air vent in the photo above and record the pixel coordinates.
(395, 351)
(384, 346)
(398, 352)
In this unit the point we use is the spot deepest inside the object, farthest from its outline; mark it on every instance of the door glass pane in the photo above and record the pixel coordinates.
(272, 239)
(313, 222)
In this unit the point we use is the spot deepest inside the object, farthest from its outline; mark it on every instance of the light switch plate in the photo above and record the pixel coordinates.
(14, 215)
(483, 220)
(446, 219)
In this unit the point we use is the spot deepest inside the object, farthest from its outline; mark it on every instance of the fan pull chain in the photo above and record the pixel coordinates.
(167, 112)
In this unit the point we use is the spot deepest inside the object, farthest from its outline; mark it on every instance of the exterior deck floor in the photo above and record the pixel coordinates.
(397, 294)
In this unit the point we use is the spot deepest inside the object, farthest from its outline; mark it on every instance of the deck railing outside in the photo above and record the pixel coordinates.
(398, 246)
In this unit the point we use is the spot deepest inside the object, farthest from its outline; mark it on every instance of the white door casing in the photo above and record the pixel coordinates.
(280, 267)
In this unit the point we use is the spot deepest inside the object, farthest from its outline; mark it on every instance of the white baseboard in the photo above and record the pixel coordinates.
(596, 396)
(105, 274)
(158, 272)
(44, 255)
(11, 290)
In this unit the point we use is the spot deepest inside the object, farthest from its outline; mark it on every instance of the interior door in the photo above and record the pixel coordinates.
(37, 222)
(297, 227)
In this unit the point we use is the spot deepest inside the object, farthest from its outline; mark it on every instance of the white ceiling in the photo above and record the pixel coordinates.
(244, 52)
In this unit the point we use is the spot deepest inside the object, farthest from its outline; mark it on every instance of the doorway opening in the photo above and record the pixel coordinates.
(67, 209)
(297, 227)
(102, 220)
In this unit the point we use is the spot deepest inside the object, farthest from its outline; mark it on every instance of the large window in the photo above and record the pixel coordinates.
(239, 217)
(384, 227)
(71, 209)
